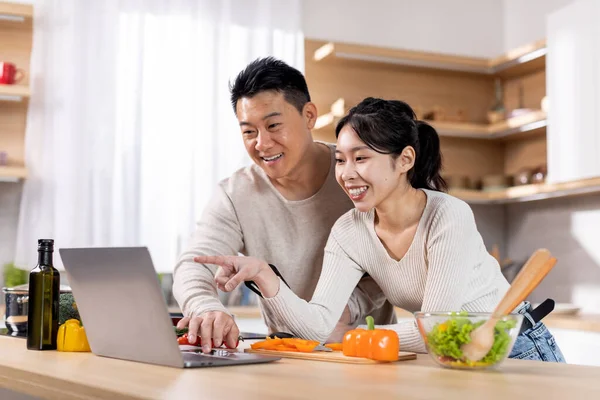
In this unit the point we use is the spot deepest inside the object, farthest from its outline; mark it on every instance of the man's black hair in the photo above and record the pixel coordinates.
(266, 74)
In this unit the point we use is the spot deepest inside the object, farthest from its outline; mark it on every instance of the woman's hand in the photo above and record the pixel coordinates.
(237, 269)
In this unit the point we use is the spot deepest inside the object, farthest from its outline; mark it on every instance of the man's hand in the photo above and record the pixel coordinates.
(215, 325)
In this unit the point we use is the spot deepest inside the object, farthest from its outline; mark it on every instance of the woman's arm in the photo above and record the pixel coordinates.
(316, 319)
(310, 320)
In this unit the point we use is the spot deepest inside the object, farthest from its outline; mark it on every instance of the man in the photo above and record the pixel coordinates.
(280, 209)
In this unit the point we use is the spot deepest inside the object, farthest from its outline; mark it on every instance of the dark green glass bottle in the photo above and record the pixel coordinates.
(44, 292)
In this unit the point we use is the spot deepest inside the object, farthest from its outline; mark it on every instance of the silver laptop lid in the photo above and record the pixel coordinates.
(121, 304)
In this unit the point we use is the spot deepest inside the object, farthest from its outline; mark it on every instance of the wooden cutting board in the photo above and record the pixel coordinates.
(331, 356)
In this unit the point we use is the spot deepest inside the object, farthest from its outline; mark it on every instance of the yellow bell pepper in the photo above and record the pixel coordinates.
(72, 337)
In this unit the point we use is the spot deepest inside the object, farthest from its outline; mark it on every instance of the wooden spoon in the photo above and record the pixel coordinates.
(530, 276)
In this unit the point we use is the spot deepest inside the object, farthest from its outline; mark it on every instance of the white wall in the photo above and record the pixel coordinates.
(569, 228)
(525, 20)
(491, 224)
(466, 27)
(480, 28)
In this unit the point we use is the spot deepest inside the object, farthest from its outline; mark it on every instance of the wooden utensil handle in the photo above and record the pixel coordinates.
(532, 285)
(532, 273)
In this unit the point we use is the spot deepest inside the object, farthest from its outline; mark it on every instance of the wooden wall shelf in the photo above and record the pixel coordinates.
(340, 52)
(530, 122)
(15, 12)
(14, 92)
(530, 192)
(520, 61)
(12, 174)
(511, 128)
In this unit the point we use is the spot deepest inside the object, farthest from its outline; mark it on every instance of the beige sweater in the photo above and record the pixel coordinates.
(248, 215)
(446, 268)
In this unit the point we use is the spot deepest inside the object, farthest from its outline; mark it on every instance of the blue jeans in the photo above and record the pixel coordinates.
(536, 343)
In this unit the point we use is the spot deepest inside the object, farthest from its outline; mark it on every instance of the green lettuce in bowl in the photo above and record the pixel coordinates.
(445, 333)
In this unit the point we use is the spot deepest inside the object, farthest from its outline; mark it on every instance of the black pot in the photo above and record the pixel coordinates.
(17, 306)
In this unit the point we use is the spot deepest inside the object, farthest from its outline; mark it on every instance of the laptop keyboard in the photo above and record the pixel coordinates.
(198, 358)
(215, 357)
(219, 357)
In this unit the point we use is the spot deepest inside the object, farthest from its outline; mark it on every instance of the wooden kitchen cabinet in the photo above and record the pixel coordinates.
(16, 31)
(455, 94)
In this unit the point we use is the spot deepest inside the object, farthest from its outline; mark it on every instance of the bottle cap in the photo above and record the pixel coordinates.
(45, 244)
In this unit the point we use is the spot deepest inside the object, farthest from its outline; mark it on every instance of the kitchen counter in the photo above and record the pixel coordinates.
(55, 375)
(578, 322)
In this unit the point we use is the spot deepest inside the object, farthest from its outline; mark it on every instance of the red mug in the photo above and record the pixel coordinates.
(9, 73)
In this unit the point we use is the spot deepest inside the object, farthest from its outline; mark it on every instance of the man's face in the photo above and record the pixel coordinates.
(275, 133)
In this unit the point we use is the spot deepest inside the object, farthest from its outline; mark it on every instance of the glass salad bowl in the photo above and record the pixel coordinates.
(444, 333)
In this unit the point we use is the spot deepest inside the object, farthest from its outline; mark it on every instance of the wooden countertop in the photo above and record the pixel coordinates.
(579, 322)
(55, 375)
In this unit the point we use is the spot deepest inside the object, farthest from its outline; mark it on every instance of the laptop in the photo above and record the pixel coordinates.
(124, 312)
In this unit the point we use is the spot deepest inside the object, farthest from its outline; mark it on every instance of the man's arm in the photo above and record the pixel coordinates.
(365, 299)
(217, 232)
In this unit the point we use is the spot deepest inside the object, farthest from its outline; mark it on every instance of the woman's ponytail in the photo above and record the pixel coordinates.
(426, 172)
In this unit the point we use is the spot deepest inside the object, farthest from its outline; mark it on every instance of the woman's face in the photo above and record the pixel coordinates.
(368, 177)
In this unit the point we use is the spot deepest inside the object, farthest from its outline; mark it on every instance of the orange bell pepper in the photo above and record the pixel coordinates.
(291, 344)
(335, 346)
(375, 344)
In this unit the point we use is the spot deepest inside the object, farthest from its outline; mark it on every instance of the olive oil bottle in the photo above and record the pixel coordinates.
(44, 291)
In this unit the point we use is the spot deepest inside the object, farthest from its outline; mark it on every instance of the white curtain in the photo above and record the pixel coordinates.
(130, 124)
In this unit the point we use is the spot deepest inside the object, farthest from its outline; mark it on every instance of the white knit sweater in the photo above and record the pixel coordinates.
(446, 268)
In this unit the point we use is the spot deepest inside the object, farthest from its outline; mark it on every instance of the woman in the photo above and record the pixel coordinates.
(419, 244)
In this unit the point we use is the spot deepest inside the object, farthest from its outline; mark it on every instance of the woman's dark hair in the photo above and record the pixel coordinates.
(387, 127)
(270, 74)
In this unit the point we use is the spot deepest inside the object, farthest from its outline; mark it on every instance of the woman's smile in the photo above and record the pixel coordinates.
(357, 193)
